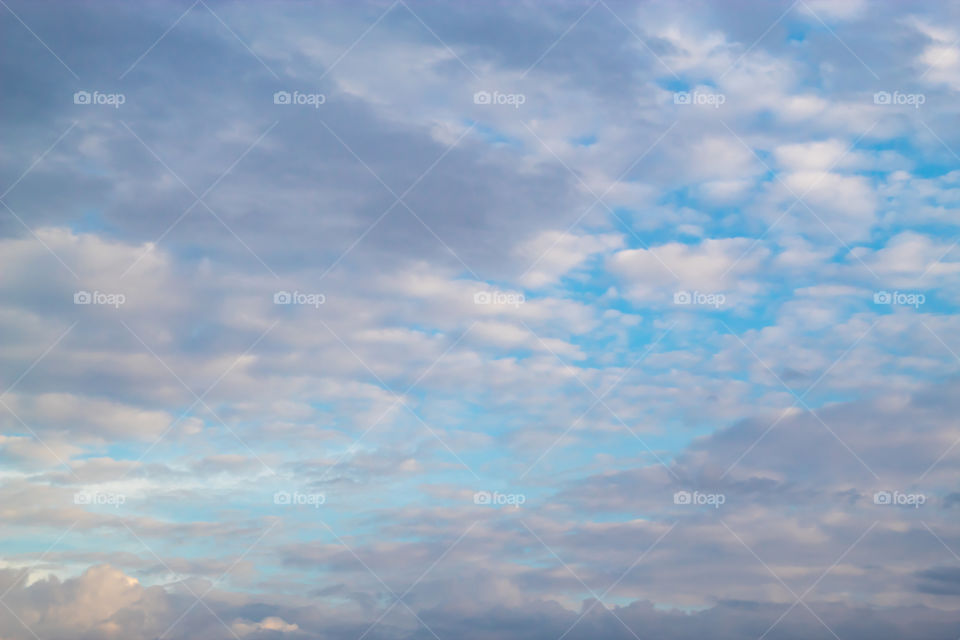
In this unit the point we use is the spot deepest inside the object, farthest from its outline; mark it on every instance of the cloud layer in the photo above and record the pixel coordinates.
(410, 320)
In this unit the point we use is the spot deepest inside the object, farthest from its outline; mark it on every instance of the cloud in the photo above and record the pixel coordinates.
(553, 254)
(103, 603)
(712, 265)
(498, 314)
(245, 628)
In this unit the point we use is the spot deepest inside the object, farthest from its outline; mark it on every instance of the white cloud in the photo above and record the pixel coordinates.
(86, 417)
(939, 62)
(272, 623)
(553, 254)
(815, 156)
(713, 265)
(912, 259)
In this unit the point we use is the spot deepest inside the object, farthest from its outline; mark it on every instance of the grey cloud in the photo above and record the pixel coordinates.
(61, 609)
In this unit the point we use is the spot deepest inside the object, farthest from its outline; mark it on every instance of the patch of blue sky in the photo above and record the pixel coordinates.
(494, 136)
(587, 140)
(91, 221)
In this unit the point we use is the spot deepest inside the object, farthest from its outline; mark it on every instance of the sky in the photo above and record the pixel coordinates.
(482, 320)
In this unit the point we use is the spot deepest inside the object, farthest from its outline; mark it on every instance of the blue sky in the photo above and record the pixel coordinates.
(479, 320)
